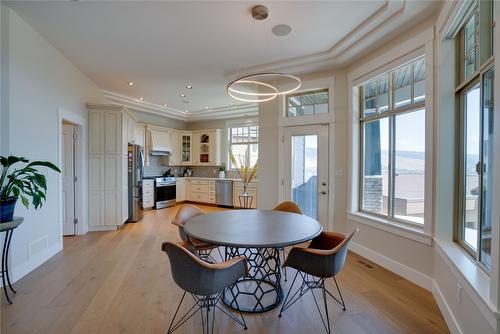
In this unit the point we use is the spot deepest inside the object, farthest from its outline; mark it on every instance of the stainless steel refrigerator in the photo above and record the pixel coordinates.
(135, 172)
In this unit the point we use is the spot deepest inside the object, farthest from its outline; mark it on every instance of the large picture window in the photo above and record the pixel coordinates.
(244, 144)
(475, 92)
(392, 124)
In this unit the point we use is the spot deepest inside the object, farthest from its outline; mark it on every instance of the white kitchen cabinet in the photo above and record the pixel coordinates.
(148, 194)
(109, 130)
(238, 189)
(139, 134)
(180, 189)
(200, 190)
(186, 147)
(174, 158)
(207, 147)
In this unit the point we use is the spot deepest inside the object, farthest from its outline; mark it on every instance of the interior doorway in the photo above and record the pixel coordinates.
(69, 178)
(305, 169)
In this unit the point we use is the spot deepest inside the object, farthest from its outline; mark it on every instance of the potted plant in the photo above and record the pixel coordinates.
(222, 171)
(22, 182)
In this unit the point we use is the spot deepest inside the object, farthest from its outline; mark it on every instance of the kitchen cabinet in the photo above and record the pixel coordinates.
(109, 133)
(186, 148)
(180, 189)
(174, 158)
(201, 190)
(148, 194)
(238, 189)
(139, 134)
(207, 147)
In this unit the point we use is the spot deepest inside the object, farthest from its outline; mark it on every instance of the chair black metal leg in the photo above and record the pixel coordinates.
(326, 307)
(175, 314)
(286, 302)
(340, 293)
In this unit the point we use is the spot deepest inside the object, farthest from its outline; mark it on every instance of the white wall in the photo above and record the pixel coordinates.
(40, 81)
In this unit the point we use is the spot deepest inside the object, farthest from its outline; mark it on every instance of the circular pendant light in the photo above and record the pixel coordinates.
(262, 87)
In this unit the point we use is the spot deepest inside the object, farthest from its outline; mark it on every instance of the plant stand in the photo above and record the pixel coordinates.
(8, 228)
(246, 200)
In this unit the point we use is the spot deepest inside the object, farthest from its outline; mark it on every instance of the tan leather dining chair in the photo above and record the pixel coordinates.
(205, 282)
(185, 213)
(292, 207)
(323, 258)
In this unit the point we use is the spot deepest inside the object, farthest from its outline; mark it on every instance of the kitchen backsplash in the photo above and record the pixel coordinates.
(158, 165)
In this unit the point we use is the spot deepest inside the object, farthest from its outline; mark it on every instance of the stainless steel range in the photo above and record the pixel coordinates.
(164, 192)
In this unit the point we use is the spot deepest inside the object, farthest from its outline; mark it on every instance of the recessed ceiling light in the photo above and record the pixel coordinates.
(281, 30)
(182, 95)
(165, 105)
(185, 111)
(189, 87)
(130, 83)
(141, 98)
(205, 108)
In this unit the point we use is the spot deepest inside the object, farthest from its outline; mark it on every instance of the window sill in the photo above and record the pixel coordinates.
(474, 280)
(409, 232)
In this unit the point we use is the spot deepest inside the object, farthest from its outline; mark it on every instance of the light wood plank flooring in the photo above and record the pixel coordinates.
(120, 282)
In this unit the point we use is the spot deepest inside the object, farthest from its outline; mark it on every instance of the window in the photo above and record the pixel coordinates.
(308, 103)
(392, 124)
(475, 92)
(244, 144)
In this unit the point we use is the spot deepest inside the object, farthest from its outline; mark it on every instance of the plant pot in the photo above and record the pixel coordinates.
(7, 209)
(222, 174)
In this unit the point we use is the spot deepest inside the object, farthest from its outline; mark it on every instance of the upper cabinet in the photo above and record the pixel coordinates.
(207, 149)
(186, 147)
(139, 134)
(175, 154)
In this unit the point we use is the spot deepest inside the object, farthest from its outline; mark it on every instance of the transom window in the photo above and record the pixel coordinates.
(392, 124)
(475, 93)
(307, 103)
(244, 144)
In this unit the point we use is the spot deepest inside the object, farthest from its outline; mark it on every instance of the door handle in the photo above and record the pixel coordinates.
(323, 192)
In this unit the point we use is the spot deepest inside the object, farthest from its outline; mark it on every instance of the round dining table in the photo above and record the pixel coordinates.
(258, 235)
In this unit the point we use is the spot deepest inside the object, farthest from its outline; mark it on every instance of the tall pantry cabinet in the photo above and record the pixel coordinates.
(111, 128)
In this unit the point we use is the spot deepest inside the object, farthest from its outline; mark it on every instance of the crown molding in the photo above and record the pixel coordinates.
(241, 110)
(339, 52)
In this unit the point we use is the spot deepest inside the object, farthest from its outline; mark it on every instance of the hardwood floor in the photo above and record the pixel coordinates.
(120, 282)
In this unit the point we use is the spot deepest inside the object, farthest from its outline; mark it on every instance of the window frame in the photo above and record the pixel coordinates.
(308, 92)
(464, 85)
(248, 143)
(391, 116)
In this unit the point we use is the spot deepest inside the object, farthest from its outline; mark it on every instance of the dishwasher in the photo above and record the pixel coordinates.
(224, 192)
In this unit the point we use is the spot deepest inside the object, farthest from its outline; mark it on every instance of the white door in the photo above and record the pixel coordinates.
(306, 169)
(68, 179)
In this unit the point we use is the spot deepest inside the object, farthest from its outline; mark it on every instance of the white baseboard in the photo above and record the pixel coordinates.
(402, 270)
(102, 228)
(25, 268)
(414, 276)
(450, 319)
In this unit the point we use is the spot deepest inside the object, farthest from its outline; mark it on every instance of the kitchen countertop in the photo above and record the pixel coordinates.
(210, 178)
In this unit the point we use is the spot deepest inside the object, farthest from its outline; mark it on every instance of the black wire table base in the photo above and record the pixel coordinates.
(261, 290)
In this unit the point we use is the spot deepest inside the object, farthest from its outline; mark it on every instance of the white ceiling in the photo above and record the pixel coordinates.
(164, 46)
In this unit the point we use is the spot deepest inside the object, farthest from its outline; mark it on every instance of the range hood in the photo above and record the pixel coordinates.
(159, 143)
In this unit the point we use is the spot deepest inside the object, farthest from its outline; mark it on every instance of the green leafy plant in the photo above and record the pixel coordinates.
(222, 168)
(26, 182)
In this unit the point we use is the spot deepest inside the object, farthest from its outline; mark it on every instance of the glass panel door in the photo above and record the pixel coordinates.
(305, 173)
(306, 170)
